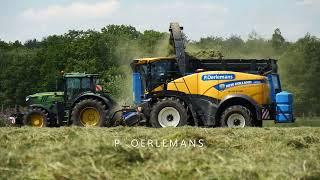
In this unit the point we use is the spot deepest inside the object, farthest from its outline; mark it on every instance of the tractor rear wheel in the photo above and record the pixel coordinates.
(236, 116)
(89, 113)
(36, 117)
(169, 112)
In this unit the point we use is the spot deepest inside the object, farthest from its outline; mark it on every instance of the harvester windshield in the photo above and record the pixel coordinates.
(156, 73)
(163, 71)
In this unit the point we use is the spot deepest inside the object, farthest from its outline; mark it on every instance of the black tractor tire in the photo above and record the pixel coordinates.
(96, 105)
(173, 105)
(240, 116)
(36, 117)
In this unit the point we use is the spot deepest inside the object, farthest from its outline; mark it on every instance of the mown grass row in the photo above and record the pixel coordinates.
(90, 153)
(299, 122)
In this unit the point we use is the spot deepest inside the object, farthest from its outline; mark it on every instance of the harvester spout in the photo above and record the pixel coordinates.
(177, 40)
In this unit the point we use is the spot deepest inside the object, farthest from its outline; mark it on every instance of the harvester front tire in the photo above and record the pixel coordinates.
(36, 117)
(236, 116)
(89, 112)
(169, 112)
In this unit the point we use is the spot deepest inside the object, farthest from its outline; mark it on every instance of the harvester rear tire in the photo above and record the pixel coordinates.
(236, 116)
(36, 117)
(89, 112)
(169, 112)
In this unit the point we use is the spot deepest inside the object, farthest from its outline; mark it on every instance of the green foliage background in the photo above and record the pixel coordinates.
(33, 66)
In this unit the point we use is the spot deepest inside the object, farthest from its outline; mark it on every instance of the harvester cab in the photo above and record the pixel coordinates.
(81, 101)
(172, 91)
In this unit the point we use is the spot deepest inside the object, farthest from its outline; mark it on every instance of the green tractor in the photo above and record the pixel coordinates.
(81, 102)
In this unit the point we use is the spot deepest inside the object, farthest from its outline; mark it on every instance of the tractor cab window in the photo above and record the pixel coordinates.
(73, 87)
(96, 81)
(85, 84)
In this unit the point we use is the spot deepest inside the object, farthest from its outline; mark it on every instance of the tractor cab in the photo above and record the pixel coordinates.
(76, 84)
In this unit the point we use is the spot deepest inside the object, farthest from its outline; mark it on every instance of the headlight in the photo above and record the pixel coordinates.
(27, 99)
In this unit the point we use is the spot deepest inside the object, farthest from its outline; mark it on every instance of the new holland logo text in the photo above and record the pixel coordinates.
(226, 85)
(209, 77)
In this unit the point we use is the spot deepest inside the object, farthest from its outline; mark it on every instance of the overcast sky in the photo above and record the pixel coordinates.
(27, 19)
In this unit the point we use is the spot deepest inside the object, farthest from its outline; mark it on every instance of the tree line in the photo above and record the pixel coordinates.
(34, 66)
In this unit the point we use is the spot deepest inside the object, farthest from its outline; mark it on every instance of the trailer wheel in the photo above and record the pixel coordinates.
(236, 116)
(169, 112)
(36, 117)
(88, 113)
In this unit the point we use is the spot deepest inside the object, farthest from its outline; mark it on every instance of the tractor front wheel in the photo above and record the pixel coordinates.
(89, 113)
(36, 117)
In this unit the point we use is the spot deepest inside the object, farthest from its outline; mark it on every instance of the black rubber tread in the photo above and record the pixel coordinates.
(169, 102)
(101, 107)
(40, 111)
(237, 109)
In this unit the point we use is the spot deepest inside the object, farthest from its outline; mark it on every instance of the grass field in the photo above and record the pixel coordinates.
(91, 153)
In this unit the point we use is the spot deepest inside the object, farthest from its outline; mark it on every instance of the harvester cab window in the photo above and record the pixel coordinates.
(164, 71)
(158, 71)
(144, 75)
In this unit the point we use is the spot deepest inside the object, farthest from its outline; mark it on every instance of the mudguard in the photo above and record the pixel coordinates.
(242, 96)
(49, 110)
(103, 97)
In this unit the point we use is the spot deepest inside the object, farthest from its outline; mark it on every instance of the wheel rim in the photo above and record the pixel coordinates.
(36, 120)
(169, 117)
(236, 120)
(89, 116)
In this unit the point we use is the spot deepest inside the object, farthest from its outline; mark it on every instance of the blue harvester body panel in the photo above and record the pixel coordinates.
(137, 88)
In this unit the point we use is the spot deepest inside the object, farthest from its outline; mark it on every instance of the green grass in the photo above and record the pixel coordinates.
(89, 153)
(305, 122)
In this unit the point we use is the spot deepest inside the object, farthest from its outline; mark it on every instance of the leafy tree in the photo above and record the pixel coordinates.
(4, 45)
(277, 40)
(300, 69)
(17, 44)
(234, 42)
(32, 44)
